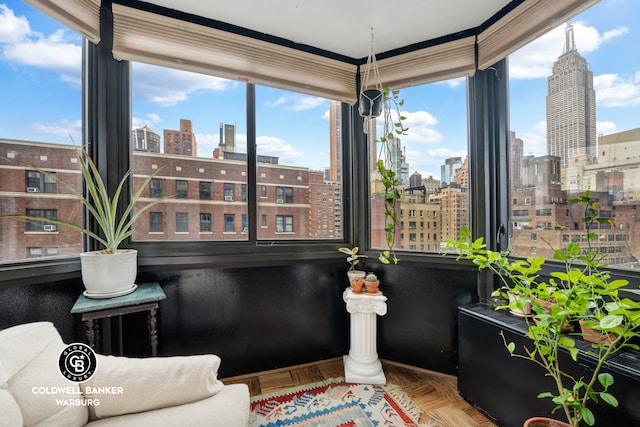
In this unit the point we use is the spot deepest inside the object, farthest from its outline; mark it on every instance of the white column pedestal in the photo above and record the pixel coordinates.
(361, 365)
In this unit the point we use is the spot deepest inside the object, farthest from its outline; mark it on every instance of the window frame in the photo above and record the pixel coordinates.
(107, 121)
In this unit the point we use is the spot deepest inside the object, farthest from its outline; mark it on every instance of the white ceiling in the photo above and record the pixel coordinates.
(344, 26)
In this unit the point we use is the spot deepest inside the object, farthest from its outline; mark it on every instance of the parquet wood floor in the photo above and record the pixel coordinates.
(435, 393)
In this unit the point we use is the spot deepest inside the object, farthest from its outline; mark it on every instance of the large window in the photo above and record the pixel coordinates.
(40, 83)
(431, 162)
(192, 128)
(575, 126)
(299, 166)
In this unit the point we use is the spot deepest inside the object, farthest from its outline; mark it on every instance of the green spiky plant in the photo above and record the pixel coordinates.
(578, 288)
(393, 127)
(102, 207)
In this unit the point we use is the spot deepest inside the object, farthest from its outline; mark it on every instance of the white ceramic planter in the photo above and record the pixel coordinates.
(355, 275)
(109, 275)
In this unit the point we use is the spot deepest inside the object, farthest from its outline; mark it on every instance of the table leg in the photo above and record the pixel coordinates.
(153, 332)
(89, 332)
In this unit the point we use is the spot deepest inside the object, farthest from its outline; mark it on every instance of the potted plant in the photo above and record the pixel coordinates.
(393, 126)
(111, 271)
(578, 287)
(353, 258)
(371, 283)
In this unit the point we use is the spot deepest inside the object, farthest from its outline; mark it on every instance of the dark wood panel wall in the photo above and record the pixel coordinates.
(263, 318)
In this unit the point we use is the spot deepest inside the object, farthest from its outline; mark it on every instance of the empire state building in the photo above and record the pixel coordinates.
(571, 105)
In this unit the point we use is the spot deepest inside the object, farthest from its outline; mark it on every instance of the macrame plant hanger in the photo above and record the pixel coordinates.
(371, 94)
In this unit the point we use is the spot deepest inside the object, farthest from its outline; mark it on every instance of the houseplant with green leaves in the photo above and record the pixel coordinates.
(577, 286)
(101, 270)
(353, 258)
(393, 126)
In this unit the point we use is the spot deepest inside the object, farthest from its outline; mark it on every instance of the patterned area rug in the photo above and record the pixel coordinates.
(335, 403)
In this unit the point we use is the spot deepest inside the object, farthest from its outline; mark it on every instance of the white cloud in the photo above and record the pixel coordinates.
(445, 153)
(149, 120)
(13, 29)
(614, 90)
(421, 127)
(605, 128)
(274, 146)
(60, 128)
(535, 139)
(60, 52)
(296, 102)
(167, 86)
(536, 59)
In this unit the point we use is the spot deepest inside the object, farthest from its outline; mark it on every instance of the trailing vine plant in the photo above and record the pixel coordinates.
(393, 127)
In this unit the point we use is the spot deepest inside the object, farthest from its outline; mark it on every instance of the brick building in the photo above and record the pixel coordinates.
(209, 200)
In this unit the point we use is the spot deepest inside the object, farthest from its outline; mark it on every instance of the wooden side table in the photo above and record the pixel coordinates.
(144, 298)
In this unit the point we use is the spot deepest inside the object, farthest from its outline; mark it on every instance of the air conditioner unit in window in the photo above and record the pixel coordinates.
(245, 229)
(279, 200)
(32, 189)
(49, 227)
(228, 198)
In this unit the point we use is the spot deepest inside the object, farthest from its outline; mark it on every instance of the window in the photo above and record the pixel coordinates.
(155, 188)
(573, 129)
(229, 192)
(299, 165)
(182, 222)
(42, 106)
(284, 194)
(263, 220)
(205, 223)
(245, 224)
(284, 224)
(33, 252)
(205, 190)
(40, 225)
(182, 189)
(441, 188)
(38, 182)
(174, 112)
(156, 222)
(229, 223)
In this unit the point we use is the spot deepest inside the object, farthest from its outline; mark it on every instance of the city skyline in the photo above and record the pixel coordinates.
(39, 66)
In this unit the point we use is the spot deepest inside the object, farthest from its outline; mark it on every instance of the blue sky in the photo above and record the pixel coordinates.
(40, 84)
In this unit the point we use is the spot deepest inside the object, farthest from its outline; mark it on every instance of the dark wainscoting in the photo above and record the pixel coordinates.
(263, 318)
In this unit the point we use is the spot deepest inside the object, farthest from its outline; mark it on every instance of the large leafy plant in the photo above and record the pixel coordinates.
(393, 127)
(578, 288)
(101, 206)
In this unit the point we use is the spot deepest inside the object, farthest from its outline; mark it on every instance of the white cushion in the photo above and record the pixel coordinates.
(11, 414)
(137, 385)
(29, 356)
(228, 408)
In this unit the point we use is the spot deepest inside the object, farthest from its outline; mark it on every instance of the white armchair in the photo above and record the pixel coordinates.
(168, 391)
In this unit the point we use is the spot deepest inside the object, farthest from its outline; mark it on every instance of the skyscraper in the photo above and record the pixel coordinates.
(144, 139)
(448, 170)
(181, 141)
(335, 141)
(571, 105)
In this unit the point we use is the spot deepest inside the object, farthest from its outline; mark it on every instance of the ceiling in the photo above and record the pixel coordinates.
(343, 27)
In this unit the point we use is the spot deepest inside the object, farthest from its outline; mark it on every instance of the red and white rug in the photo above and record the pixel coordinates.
(335, 403)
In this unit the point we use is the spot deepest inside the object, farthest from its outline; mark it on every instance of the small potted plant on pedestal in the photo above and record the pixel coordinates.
(353, 258)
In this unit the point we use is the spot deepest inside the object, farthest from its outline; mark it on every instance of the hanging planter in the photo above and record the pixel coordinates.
(370, 103)
(375, 100)
(371, 99)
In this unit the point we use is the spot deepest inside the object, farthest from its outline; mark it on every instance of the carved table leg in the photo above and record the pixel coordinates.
(153, 332)
(89, 332)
